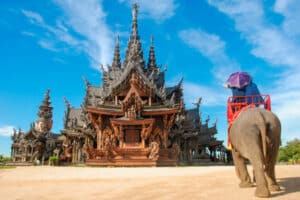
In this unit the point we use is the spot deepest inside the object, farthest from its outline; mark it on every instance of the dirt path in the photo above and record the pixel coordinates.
(218, 182)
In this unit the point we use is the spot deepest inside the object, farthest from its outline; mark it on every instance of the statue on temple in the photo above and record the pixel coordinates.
(66, 151)
(153, 151)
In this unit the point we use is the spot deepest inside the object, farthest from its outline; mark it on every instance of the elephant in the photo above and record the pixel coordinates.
(256, 135)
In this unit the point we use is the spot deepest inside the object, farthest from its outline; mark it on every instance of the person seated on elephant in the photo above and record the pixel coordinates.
(253, 94)
(249, 94)
(238, 94)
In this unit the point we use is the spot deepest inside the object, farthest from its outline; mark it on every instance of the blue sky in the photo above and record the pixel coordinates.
(52, 44)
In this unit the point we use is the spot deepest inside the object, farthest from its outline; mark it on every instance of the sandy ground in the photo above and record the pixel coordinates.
(209, 182)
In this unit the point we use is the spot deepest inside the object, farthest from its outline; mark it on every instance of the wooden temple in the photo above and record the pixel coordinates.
(131, 115)
(130, 119)
(39, 143)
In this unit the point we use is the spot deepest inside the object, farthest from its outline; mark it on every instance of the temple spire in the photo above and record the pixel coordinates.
(134, 51)
(151, 59)
(117, 60)
(46, 103)
(44, 121)
(134, 30)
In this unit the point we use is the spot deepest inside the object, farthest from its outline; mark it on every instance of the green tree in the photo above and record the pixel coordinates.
(4, 159)
(290, 152)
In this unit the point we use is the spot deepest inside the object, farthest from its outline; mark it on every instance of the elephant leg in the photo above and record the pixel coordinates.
(241, 170)
(257, 161)
(270, 172)
(254, 180)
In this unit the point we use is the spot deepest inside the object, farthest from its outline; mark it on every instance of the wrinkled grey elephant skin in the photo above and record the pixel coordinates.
(255, 135)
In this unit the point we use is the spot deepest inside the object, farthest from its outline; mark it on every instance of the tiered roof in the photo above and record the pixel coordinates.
(116, 80)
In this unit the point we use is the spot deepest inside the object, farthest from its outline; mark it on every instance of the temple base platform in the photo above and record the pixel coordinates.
(133, 157)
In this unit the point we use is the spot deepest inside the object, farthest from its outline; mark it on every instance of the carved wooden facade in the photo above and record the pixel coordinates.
(130, 119)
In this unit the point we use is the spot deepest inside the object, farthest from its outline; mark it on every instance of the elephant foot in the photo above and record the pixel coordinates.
(274, 188)
(245, 184)
(262, 192)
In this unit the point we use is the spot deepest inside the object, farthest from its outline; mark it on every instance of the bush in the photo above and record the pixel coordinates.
(290, 153)
(4, 159)
(53, 160)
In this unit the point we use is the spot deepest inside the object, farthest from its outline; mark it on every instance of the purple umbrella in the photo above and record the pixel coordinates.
(239, 79)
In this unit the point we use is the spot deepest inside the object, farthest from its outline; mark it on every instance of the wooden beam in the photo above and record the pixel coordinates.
(105, 111)
(160, 112)
(132, 122)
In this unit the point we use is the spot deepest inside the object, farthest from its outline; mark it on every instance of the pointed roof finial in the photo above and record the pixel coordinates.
(118, 40)
(102, 68)
(198, 103)
(151, 40)
(46, 102)
(151, 59)
(180, 82)
(134, 31)
(134, 11)
(86, 82)
(134, 52)
(117, 59)
(68, 105)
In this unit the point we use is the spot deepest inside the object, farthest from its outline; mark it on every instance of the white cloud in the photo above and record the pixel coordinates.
(290, 10)
(83, 28)
(48, 45)
(27, 33)
(212, 47)
(34, 17)
(88, 19)
(53, 35)
(269, 42)
(6, 130)
(286, 108)
(211, 97)
(155, 9)
(208, 44)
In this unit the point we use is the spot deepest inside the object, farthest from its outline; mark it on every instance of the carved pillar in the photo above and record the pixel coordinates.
(150, 99)
(14, 154)
(99, 126)
(77, 151)
(165, 131)
(143, 135)
(25, 157)
(73, 152)
(99, 138)
(116, 100)
(121, 136)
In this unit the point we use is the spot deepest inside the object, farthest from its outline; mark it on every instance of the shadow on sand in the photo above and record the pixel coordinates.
(288, 185)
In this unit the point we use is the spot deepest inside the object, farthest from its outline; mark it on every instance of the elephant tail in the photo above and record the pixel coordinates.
(263, 127)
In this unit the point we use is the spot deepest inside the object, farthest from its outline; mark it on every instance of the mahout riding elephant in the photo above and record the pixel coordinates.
(255, 135)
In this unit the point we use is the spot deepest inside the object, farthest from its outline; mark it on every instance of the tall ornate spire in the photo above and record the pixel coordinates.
(117, 60)
(134, 31)
(134, 51)
(151, 59)
(44, 121)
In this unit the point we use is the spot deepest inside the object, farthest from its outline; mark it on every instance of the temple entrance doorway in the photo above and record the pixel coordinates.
(132, 136)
